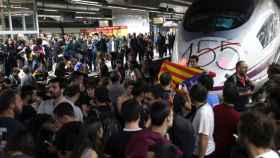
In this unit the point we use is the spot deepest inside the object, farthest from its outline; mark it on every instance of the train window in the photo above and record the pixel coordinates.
(269, 30)
(210, 23)
(217, 15)
(226, 23)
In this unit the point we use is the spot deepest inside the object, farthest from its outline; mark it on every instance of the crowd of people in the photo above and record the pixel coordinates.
(83, 53)
(128, 112)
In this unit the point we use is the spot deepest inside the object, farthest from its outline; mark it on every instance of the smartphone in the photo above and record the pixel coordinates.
(235, 136)
(180, 86)
(47, 143)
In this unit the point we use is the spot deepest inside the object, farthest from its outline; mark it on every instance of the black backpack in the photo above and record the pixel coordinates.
(109, 122)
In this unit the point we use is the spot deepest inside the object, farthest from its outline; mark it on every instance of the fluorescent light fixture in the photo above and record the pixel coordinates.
(20, 14)
(49, 10)
(93, 4)
(176, 14)
(78, 1)
(18, 7)
(154, 11)
(86, 12)
(142, 10)
(87, 3)
(117, 7)
(97, 18)
(50, 16)
(183, 1)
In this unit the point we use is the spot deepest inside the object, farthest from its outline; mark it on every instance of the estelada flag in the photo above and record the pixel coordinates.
(178, 72)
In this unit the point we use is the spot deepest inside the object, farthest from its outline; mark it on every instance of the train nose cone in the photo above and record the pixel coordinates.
(215, 54)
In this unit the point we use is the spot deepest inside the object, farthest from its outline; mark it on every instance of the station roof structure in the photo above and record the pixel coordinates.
(102, 9)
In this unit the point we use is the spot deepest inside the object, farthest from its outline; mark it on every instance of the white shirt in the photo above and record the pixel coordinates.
(203, 123)
(48, 106)
(270, 154)
(113, 46)
(132, 130)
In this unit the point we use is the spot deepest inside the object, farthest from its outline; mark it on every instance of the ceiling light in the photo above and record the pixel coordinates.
(77, 1)
(87, 3)
(49, 10)
(97, 18)
(117, 7)
(93, 4)
(86, 13)
(138, 9)
(18, 7)
(50, 16)
(182, 1)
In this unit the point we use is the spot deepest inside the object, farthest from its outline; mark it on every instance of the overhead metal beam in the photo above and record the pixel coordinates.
(83, 6)
(58, 6)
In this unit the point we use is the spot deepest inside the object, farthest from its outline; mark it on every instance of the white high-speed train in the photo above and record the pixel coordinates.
(222, 32)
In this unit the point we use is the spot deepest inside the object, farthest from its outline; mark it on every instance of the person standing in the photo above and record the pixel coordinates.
(161, 120)
(27, 79)
(11, 57)
(39, 53)
(160, 44)
(243, 84)
(101, 48)
(203, 123)
(115, 89)
(123, 49)
(226, 121)
(141, 47)
(10, 105)
(150, 48)
(94, 51)
(171, 43)
(130, 114)
(134, 46)
(113, 50)
(182, 133)
(56, 89)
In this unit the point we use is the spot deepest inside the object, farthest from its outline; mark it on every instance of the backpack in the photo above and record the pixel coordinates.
(109, 122)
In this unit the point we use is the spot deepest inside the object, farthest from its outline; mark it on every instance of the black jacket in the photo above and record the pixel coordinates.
(182, 135)
(242, 100)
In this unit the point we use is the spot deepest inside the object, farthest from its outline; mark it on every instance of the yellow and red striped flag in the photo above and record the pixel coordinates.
(178, 72)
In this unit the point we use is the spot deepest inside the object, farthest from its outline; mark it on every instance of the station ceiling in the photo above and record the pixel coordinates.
(138, 3)
(176, 7)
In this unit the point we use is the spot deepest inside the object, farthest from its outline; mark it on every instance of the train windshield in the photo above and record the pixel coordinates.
(218, 15)
(214, 23)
